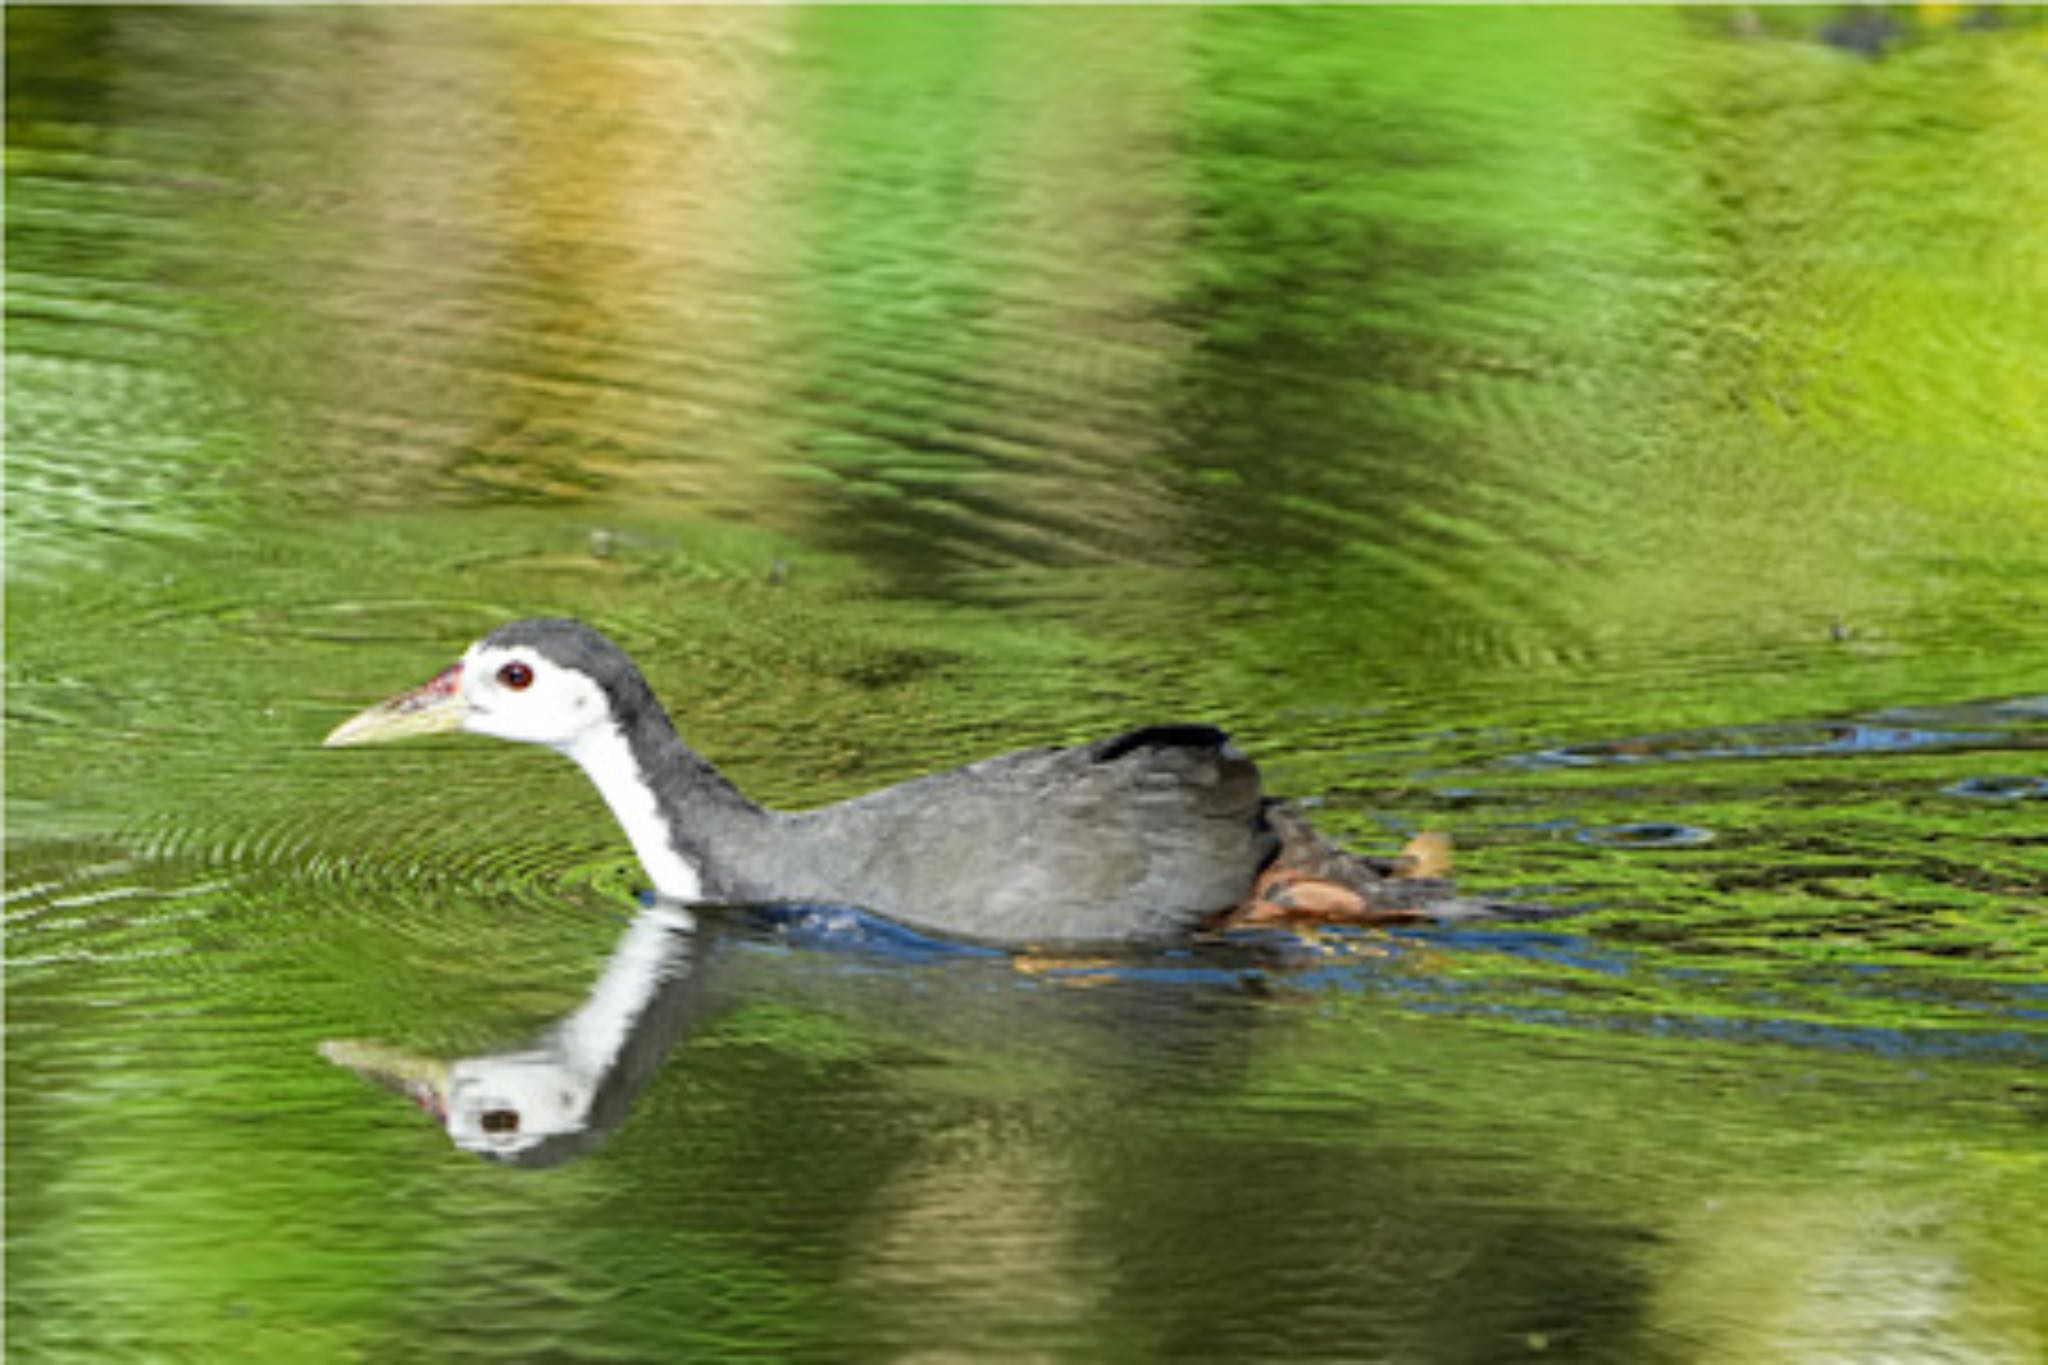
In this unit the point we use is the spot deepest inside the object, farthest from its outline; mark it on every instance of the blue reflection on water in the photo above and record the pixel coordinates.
(1759, 741)
(1999, 787)
(1397, 964)
(1645, 834)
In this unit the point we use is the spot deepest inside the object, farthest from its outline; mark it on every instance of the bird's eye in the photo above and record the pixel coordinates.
(516, 676)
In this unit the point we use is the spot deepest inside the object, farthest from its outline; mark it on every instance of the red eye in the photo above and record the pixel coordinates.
(516, 676)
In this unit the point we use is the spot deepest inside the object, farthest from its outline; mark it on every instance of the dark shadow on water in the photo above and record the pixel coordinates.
(564, 1094)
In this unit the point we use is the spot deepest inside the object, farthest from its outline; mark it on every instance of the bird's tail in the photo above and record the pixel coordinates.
(1311, 879)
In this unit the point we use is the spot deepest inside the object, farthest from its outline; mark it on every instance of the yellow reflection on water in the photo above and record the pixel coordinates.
(1858, 1274)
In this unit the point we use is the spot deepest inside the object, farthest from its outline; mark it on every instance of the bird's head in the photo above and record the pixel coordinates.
(545, 681)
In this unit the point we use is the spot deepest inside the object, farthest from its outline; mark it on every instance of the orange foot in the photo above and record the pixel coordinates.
(1428, 854)
(1290, 895)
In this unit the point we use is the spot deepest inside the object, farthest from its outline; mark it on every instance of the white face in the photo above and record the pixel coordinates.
(518, 693)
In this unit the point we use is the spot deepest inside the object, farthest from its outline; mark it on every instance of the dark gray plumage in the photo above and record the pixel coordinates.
(1141, 836)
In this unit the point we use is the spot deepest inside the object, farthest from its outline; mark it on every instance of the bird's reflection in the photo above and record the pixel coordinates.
(565, 1093)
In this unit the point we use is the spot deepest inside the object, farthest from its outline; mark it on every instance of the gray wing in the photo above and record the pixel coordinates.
(1134, 837)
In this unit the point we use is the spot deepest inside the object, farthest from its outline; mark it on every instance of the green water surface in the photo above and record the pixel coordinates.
(1616, 437)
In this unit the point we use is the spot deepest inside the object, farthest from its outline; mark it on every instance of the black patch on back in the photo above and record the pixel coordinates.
(1163, 737)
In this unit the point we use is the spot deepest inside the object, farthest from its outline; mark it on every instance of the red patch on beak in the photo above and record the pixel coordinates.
(440, 687)
(431, 1102)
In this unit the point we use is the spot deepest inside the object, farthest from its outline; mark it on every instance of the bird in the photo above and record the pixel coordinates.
(1158, 833)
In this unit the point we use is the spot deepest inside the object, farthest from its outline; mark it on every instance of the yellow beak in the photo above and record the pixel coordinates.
(434, 707)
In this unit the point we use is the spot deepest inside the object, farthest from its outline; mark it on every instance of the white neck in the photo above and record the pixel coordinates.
(602, 752)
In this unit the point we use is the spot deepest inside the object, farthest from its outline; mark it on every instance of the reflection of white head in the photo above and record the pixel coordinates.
(505, 1104)
(537, 1105)
(502, 1105)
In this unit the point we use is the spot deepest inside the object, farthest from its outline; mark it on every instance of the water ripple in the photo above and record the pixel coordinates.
(1645, 834)
(2005, 787)
(1762, 741)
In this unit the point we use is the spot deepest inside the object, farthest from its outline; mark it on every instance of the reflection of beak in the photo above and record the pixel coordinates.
(423, 1080)
(432, 708)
